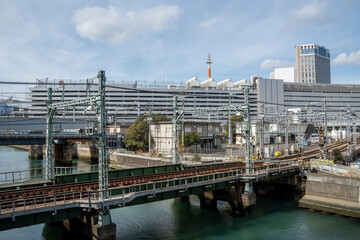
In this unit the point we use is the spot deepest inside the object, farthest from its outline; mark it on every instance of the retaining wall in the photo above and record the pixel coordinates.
(333, 194)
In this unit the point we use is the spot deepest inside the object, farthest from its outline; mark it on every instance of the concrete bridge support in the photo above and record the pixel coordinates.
(63, 153)
(290, 187)
(235, 196)
(90, 227)
(36, 151)
(94, 152)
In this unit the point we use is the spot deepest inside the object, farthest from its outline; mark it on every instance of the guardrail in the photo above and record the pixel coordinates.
(37, 173)
(22, 175)
(124, 194)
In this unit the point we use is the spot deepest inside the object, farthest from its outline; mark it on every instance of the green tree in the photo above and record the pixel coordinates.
(190, 139)
(138, 135)
(158, 117)
(337, 155)
(234, 119)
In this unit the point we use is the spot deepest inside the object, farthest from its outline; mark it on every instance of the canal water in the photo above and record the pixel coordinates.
(271, 218)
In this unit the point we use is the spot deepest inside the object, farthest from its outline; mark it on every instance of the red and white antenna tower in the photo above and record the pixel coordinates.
(209, 62)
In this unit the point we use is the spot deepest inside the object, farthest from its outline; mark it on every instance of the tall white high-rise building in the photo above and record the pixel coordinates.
(312, 64)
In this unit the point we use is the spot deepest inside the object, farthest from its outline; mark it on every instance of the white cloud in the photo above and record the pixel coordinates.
(353, 58)
(271, 64)
(312, 14)
(114, 26)
(209, 22)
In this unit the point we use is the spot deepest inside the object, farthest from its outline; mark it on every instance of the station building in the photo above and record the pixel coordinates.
(126, 102)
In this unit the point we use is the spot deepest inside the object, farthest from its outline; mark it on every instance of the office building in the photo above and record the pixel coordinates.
(313, 64)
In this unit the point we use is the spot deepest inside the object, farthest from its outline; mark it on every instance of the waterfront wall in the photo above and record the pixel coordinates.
(123, 160)
(333, 194)
(22, 147)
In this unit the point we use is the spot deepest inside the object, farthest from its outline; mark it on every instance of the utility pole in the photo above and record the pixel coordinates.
(261, 140)
(325, 154)
(230, 135)
(97, 102)
(348, 133)
(287, 117)
(182, 127)
(116, 120)
(103, 161)
(323, 133)
(176, 117)
(49, 158)
(248, 136)
(150, 126)
(299, 138)
(354, 136)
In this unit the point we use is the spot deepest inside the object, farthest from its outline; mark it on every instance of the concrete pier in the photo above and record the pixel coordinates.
(291, 187)
(91, 228)
(36, 151)
(63, 153)
(239, 201)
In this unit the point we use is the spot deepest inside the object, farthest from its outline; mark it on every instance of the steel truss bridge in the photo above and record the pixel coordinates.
(75, 195)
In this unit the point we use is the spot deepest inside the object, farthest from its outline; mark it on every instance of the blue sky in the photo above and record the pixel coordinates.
(168, 41)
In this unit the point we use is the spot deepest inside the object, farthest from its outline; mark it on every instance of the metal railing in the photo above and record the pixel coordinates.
(22, 175)
(330, 167)
(37, 173)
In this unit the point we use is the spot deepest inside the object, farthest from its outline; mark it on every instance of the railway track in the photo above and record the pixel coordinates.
(313, 153)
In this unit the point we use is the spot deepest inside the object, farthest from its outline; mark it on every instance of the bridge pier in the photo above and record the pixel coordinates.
(290, 187)
(36, 151)
(63, 153)
(239, 201)
(207, 200)
(184, 199)
(93, 227)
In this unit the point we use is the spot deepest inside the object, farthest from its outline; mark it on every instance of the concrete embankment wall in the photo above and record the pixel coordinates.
(22, 147)
(126, 160)
(123, 160)
(333, 194)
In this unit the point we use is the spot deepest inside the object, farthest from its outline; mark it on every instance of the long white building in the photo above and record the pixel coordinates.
(127, 104)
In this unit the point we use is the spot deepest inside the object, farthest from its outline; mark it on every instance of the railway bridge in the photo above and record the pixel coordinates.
(74, 199)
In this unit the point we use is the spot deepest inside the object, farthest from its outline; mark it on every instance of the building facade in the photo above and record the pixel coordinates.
(313, 64)
(125, 105)
(162, 134)
(126, 102)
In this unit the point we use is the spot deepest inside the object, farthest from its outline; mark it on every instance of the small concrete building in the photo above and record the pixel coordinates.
(118, 128)
(5, 110)
(209, 133)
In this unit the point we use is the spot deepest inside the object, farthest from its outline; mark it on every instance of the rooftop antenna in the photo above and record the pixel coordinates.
(209, 62)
